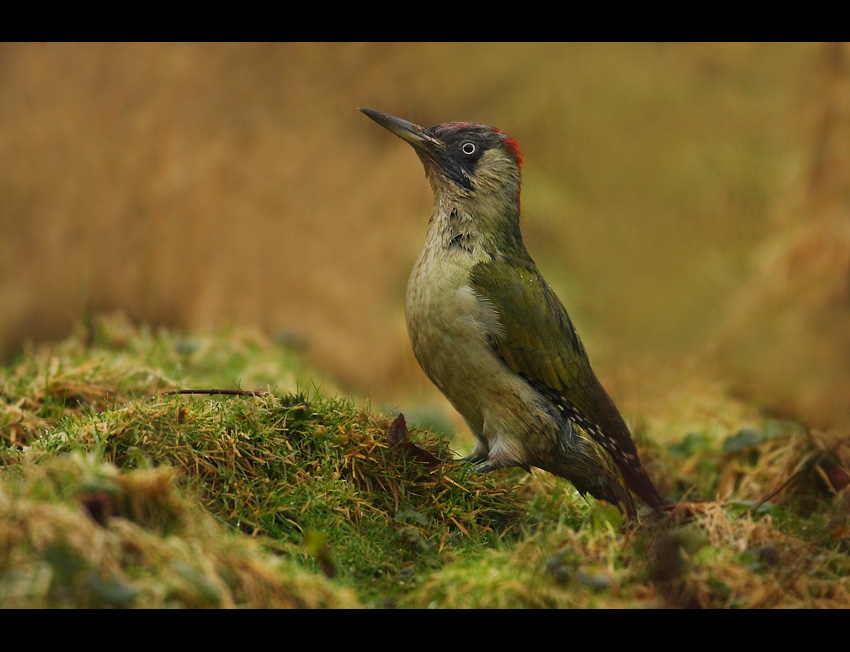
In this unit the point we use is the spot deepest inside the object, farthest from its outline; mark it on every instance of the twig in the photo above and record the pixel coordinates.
(776, 491)
(802, 467)
(228, 392)
(14, 423)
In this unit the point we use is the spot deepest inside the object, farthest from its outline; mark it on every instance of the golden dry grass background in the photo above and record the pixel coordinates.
(687, 201)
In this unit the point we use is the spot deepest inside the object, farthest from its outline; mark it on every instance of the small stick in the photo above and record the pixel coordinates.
(14, 423)
(228, 392)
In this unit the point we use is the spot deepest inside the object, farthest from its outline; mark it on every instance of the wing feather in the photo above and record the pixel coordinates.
(537, 340)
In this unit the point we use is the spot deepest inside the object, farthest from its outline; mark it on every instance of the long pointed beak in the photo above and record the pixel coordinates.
(410, 132)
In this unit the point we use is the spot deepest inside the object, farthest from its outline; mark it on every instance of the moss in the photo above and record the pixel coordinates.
(128, 498)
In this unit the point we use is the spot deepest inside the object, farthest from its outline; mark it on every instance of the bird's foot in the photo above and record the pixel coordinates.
(489, 465)
(486, 466)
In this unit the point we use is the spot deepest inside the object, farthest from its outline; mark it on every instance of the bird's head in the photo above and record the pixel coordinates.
(466, 163)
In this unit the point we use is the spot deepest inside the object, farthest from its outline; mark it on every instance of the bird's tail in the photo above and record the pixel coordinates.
(592, 470)
(612, 487)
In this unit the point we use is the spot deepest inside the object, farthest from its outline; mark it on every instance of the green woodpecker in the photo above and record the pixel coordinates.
(492, 335)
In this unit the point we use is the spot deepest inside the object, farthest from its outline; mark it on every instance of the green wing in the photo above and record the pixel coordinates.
(538, 341)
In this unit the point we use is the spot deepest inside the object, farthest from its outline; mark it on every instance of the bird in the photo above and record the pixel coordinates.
(493, 336)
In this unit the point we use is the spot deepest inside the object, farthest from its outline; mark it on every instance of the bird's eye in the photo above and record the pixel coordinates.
(468, 148)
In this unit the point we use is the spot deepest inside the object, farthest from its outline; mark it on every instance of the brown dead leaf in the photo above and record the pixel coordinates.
(399, 435)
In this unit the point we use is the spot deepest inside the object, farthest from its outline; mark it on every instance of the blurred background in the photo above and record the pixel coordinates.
(690, 203)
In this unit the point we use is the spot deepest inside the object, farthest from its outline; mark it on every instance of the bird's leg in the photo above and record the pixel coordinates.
(480, 452)
(502, 454)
